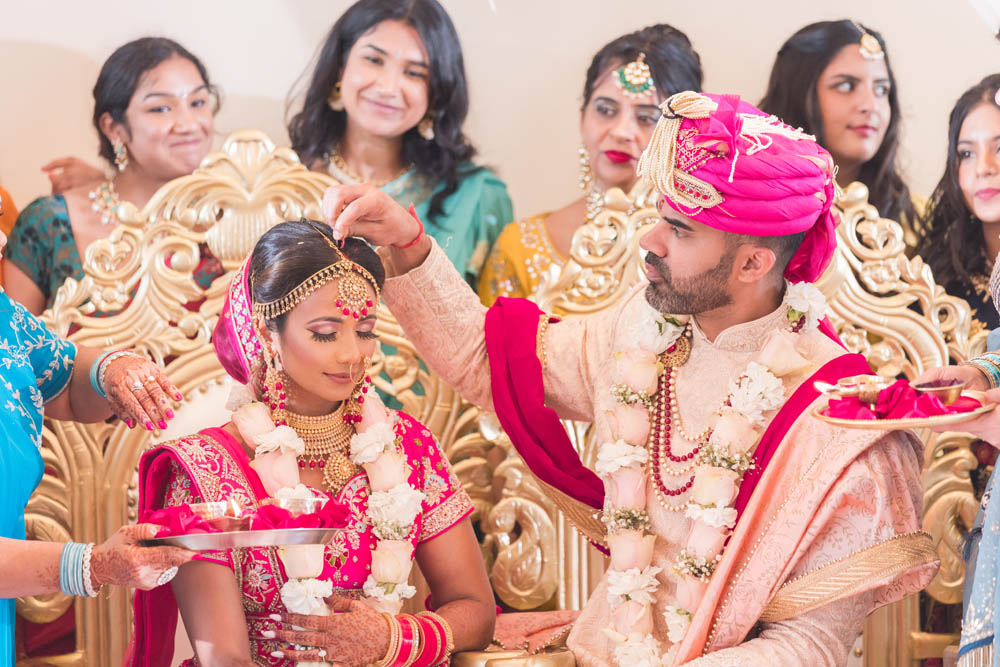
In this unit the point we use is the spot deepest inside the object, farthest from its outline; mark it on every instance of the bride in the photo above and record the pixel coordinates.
(298, 328)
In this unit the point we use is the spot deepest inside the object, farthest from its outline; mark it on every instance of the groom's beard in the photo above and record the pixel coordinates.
(690, 296)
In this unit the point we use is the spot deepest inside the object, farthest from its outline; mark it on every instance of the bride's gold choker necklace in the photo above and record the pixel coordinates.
(328, 444)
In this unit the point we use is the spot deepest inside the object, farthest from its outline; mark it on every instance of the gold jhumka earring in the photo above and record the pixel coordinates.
(334, 100)
(361, 388)
(425, 128)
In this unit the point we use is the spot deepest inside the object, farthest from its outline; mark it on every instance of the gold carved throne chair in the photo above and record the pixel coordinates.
(140, 280)
(883, 305)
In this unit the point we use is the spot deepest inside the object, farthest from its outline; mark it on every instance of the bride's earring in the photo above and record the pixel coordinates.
(361, 386)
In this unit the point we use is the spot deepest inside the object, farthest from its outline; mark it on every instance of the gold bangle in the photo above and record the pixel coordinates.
(394, 643)
(449, 638)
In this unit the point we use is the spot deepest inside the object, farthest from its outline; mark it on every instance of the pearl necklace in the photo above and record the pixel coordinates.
(328, 443)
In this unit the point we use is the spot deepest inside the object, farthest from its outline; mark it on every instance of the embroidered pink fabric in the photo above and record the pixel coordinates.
(782, 189)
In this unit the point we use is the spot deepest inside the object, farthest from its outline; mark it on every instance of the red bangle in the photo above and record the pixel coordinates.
(419, 235)
(408, 641)
(436, 654)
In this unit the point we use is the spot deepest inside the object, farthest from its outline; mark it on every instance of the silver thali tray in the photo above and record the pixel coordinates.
(246, 538)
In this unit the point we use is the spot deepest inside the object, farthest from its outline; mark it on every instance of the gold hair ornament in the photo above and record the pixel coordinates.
(352, 290)
(868, 45)
(667, 162)
(635, 79)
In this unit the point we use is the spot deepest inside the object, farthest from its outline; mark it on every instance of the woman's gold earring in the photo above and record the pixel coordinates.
(586, 176)
(335, 101)
(426, 128)
(121, 154)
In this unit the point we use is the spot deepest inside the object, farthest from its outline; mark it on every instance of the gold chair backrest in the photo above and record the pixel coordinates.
(883, 304)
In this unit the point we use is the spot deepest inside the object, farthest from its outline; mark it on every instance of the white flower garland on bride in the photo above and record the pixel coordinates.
(724, 455)
(393, 505)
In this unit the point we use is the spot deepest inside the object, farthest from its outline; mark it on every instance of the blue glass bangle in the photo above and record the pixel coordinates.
(71, 569)
(94, 368)
(988, 369)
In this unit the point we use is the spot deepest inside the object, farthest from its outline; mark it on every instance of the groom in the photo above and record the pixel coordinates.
(741, 529)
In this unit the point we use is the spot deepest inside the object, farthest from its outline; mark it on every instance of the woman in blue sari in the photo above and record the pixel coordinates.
(386, 105)
(40, 371)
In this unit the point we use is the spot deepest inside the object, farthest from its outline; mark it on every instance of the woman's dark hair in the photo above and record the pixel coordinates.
(317, 129)
(674, 64)
(791, 96)
(952, 238)
(120, 76)
(290, 252)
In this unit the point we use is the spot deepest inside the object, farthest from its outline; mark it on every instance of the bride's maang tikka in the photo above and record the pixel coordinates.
(352, 294)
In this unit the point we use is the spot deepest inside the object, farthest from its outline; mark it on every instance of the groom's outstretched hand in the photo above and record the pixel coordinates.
(364, 210)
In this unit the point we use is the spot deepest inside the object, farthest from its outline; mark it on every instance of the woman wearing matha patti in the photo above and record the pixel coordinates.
(298, 330)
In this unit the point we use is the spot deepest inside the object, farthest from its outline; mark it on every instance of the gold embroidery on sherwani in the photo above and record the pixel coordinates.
(849, 575)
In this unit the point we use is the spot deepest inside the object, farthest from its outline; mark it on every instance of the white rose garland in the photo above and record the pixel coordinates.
(754, 396)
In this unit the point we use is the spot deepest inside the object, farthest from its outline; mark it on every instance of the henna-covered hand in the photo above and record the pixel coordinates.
(122, 562)
(139, 392)
(354, 635)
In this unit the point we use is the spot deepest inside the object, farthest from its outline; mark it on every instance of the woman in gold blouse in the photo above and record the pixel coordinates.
(626, 81)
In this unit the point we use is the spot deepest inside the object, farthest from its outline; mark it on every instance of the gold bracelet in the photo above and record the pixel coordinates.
(394, 644)
(449, 638)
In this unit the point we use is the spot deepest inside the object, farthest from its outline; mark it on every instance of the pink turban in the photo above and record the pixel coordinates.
(730, 166)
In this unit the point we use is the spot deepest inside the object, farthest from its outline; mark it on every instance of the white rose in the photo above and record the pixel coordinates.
(718, 517)
(297, 492)
(714, 486)
(392, 561)
(806, 299)
(305, 596)
(780, 356)
(252, 420)
(637, 369)
(387, 591)
(365, 447)
(239, 395)
(756, 391)
(654, 334)
(640, 650)
(283, 438)
(612, 456)
(632, 584)
(678, 620)
(398, 506)
(302, 561)
(733, 432)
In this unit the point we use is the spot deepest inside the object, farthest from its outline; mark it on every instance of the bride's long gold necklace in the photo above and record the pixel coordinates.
(328, 444)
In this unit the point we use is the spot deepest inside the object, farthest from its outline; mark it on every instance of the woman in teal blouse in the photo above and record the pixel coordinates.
(386, 105)
(154, 110)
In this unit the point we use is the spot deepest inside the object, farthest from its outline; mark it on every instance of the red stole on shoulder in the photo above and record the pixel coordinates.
(155, 611)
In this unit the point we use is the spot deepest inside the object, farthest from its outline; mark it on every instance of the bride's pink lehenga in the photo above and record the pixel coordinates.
(213, 466)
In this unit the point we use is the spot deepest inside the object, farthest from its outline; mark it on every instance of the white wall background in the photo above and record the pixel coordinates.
(526, 63)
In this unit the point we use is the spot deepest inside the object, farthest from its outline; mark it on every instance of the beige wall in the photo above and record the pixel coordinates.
(525, 62)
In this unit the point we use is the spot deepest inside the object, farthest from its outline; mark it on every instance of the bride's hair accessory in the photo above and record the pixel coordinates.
(352, 291)
(635, 79)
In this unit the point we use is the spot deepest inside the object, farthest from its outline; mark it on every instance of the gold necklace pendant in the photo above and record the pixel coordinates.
(328, 444)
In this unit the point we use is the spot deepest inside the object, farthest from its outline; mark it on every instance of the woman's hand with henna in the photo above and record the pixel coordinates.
(354, 635)
(122, 562)
(139, 392)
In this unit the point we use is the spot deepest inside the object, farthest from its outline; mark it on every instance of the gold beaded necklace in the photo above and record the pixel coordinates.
(328, 444)
(342, 171)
